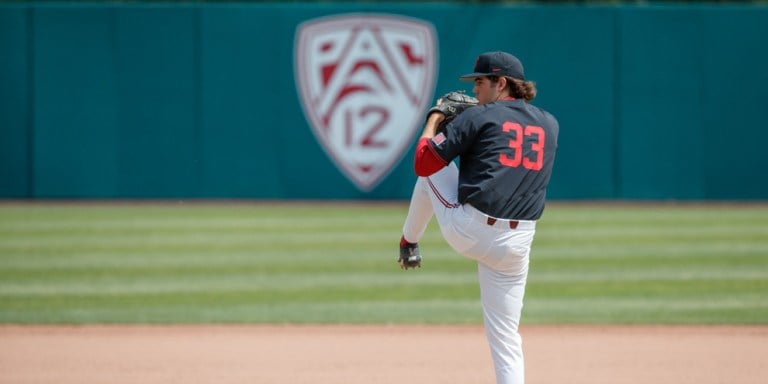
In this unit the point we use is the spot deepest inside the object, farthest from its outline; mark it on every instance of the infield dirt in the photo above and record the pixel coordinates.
(423, 354)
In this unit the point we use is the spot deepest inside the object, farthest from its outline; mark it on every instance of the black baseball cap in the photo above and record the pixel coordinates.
(496, 64)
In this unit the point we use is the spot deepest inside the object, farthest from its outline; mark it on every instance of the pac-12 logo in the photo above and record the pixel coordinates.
(365, 81)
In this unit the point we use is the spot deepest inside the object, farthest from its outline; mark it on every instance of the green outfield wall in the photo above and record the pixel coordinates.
(202, 100)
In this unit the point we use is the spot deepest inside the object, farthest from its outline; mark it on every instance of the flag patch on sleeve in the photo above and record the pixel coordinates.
(439, 139)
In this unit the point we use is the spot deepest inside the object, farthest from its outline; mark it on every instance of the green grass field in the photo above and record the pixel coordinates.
(335, 263)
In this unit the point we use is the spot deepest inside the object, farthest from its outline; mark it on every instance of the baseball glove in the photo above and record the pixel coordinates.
(451, 105)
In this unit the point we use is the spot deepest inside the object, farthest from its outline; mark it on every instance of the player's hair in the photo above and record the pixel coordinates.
(519, 89)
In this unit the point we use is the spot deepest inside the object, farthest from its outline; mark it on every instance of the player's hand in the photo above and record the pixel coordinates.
(436, 118)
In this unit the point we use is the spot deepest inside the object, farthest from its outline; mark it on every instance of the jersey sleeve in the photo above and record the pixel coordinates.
(426, 161)
(458, 137)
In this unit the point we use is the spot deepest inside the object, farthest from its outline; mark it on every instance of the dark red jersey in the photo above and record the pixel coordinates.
(506, 150)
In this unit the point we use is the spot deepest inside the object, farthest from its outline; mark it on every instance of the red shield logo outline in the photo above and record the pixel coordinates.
(365, 81)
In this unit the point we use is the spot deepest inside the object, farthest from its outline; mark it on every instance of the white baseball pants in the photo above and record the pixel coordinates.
(502, 261)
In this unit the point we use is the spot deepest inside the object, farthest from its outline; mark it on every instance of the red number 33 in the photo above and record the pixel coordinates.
(537, 146)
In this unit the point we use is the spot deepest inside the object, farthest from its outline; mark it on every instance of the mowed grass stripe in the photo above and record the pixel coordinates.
(454, 311)
(207, 239)
(749, 309)
(240, 281)
(552, 270)
(264, 263)
(748, 238)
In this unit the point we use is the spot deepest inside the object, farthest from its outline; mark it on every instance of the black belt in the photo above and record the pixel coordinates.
(512, 223)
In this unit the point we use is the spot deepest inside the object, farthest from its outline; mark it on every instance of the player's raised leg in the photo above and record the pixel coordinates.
(419, 212)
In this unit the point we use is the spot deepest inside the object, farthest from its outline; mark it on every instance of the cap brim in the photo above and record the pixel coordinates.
(472, 76)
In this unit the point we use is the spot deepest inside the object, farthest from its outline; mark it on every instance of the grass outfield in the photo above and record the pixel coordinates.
(331, 263)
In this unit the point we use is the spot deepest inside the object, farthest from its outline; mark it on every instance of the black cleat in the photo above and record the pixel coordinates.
(409, 255)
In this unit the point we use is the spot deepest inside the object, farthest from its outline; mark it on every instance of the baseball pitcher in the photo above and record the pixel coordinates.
(487, 207)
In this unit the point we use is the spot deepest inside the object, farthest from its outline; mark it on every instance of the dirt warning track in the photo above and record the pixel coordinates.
(423, 354)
